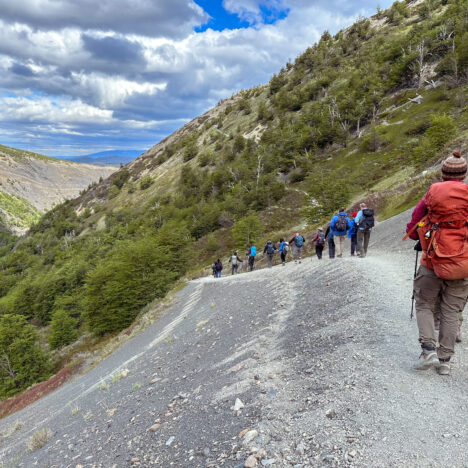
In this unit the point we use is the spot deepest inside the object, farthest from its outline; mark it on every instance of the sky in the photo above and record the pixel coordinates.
(80, 76)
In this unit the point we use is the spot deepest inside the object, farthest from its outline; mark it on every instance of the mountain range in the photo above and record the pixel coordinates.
(105, 158)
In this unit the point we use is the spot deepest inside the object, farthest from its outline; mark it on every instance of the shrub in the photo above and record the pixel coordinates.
(114, 191)
(120, 178)
(247, 230)
(146, 182)
(39, 439)
(442, 130)
(22, 361)
(62, 329)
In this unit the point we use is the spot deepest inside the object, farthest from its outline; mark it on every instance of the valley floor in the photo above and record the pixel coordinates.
(319, 354)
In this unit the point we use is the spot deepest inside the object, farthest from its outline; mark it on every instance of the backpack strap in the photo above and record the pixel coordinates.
(415, 227)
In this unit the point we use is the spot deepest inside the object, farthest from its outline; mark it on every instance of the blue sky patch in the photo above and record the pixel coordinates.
(222, 19)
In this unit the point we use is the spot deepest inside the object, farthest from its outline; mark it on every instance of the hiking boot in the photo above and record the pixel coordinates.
(352, 255)
(459, 333)
(427, 359)
(444, 368)
(339, 255)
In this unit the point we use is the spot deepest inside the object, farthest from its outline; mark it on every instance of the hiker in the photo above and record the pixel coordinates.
(319, 240)
(365, 222)
(252, 253)
(283, 249)
(269, 249)
(234, 261)
(352, 234)
(218, 268)
(213, 268)
(298, 242)
(340, 225)
(331, 242)
(439, 221)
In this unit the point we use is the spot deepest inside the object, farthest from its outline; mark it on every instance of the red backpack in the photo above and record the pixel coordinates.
(444, 231)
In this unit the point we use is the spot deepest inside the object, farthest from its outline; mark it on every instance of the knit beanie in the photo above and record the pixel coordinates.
(454, 167)
(354, 214)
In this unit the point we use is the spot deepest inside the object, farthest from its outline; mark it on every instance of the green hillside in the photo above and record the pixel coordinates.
(365, 114)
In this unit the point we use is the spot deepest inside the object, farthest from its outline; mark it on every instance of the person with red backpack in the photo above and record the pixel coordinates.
(365, 222)
(440, 222)
(319, 240)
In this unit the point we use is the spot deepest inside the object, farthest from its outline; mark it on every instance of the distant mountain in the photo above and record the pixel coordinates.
(105, 158)
(32, 183)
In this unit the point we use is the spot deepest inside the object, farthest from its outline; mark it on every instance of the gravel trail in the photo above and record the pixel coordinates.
(295, 366)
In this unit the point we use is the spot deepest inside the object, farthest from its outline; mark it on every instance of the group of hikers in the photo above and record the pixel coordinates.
(357, 229)
(439, 224)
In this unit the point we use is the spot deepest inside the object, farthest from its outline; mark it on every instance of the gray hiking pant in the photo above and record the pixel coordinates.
(428, 289)
(363, 237)
(270, 259)
(297, 252)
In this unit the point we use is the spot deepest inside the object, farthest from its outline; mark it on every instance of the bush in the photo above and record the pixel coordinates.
(133, 274)
(62, 329)
(442, 130)
(114, 191)
(247, 230)
(326, 194)
(146, 182)
(120, 178)
(22, 361)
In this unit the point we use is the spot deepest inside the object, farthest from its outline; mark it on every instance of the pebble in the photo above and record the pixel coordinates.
(155, 427)
(268, 462)
(238, 405)
(250, 435)
(250, 462)
(170, 441)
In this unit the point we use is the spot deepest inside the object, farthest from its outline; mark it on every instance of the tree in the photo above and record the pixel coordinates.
(326, 194)
(247, 230)
(62, 329)
(22, 361)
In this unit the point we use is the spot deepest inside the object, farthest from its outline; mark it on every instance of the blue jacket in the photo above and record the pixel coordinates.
(333, 223)
(359, 219)
(350, 232)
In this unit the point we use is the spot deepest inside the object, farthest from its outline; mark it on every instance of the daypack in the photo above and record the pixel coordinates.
(444, 231)
(218, 266)
(253, 251)
(320, 238)
(299, 241)
(270, 248)
(341, 223)
(368, 220)
(285, 248)
(234, 259)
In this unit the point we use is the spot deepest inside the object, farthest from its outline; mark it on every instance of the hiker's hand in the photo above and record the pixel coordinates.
(418, 246)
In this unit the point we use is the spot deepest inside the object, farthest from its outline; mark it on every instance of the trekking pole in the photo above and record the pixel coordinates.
(417, 247)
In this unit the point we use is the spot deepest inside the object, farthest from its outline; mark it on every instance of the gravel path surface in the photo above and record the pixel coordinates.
(302, 365)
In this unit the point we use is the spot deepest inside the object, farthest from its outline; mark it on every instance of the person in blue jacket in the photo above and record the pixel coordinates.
(352, 234)
(340, 225)
(252, 253)
(283, 250)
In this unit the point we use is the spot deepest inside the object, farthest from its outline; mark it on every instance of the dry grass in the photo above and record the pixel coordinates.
(39, 439)
(16, 427)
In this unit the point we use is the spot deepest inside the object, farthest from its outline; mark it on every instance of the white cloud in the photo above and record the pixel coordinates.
(75, 78)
